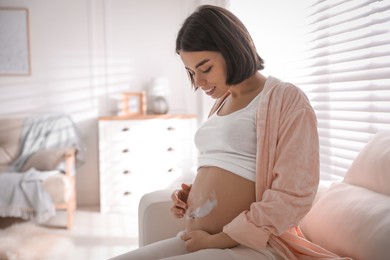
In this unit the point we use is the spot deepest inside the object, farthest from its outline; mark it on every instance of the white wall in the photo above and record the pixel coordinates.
(85, 52)
(277, 28)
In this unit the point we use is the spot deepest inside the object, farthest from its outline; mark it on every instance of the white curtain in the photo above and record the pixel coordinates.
(345, 71)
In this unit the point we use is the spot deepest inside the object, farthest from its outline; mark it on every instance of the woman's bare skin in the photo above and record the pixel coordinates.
(232, 194)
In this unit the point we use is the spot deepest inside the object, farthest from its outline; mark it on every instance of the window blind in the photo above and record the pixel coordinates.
(345, 72)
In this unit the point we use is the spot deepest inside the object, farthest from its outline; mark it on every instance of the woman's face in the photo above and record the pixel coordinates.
(208, 70)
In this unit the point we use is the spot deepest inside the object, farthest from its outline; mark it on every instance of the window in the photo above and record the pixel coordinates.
(344, 67)
(346, 75)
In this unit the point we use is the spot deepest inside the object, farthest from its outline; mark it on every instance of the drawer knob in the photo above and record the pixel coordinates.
(171, 170)
(170, 128)
(126, 172)
(125, 129)
(126, 193)
(125, 150)
(170, 149)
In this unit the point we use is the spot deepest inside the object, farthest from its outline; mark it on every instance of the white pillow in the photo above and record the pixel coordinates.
(350, 221)
(371, 168)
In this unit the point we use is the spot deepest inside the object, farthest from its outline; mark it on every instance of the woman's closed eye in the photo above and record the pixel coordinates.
(207, 70)
(192, 73)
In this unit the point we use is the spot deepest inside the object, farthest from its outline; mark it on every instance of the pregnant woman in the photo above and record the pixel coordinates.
(258, 161)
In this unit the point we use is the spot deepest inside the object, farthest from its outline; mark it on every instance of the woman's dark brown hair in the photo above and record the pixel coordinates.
(212, 28)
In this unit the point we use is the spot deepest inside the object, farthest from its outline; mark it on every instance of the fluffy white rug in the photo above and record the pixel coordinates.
(27, 241)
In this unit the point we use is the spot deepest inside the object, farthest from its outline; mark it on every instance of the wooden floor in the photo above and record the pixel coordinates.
(96, 236)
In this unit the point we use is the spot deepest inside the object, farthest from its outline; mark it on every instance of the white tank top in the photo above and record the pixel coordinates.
(229, 142)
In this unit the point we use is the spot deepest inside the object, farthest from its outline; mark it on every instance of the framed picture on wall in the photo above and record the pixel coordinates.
(14, 42)
(133, 103)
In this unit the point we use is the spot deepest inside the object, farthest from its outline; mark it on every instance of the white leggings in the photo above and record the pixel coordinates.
(173, 249)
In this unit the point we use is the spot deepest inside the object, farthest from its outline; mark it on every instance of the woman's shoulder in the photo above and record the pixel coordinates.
(285, 93)
(274, 84)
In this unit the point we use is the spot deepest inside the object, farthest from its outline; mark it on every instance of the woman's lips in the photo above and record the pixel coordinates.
(210, 91)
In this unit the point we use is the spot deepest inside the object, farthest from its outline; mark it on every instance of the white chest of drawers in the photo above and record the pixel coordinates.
(141, 154)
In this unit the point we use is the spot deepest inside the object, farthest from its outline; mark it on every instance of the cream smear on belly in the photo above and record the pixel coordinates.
(205, 208)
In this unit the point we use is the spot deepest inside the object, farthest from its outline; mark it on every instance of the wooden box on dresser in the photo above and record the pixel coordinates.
(143, 153)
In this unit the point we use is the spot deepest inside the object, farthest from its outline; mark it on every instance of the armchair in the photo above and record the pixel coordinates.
(155, 220)
(50, 166)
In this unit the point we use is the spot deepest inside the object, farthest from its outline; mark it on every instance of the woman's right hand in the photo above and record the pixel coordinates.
(179, 198)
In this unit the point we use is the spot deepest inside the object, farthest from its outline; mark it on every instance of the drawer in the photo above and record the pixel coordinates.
(145, 154)
(120, 202)
(123, 181)
(136, 176)
(121, 197)
(145, 129)
(128, 131)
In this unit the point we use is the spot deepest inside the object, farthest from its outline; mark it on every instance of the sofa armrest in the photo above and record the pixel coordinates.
(155, 220)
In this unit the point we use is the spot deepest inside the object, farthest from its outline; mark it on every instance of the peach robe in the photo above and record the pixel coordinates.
(287, 174)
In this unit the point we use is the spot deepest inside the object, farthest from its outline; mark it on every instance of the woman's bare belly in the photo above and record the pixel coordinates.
(217, 196)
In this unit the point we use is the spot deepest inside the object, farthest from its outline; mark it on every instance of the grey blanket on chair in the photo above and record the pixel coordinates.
(23, 196)
(47, 131)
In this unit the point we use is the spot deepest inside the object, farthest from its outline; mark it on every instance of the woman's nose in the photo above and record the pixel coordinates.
(200, 81)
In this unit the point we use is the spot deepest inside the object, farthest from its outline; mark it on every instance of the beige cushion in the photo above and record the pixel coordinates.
(59, 188)
(350, 221)
(8, 154)
(371, 168)
(10, 130)
(45, 160)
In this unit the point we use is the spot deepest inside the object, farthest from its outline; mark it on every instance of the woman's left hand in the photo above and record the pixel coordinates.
(199, 239)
